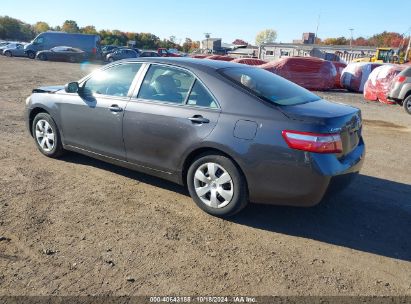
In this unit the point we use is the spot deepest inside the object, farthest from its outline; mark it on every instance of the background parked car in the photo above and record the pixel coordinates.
(400, 90)
(62, 53)
(107, 49)
(121, 54)
(6, 45)
(90, 44)
(149, 54)
(3, 43)
(16, 50)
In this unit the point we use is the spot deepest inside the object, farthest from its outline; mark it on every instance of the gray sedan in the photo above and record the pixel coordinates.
(121, 54)
(15, 50)
(230, 133)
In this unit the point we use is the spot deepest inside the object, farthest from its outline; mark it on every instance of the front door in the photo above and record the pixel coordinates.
(172, 113)
(92, 120)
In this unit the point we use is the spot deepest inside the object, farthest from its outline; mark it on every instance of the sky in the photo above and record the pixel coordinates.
(226, 19)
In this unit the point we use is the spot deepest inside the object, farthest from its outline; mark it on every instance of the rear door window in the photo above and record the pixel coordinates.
(200, 97)
(167, 84)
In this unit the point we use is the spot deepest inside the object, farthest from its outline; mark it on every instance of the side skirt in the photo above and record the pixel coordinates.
(170, 176)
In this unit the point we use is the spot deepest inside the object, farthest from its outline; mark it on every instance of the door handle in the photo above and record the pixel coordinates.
(198, 119)
(115, 108)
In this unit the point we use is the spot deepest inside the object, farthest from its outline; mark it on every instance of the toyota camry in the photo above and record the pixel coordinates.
(230, 133)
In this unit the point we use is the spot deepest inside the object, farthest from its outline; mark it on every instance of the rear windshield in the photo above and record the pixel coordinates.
(268, 86)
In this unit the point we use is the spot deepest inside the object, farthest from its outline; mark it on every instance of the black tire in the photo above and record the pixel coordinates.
(8, 54)
(57, 148)
(407, 104)
(31, 55)
(111, 59)
(42, 57)
(240, 193)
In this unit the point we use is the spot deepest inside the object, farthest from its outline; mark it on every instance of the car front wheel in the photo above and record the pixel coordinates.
(407, 104)
(47, 136)
(217, 185)
(8, 54)
(31, 55)
(42, 57)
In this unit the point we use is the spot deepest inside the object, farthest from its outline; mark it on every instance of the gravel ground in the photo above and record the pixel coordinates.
(78, 226)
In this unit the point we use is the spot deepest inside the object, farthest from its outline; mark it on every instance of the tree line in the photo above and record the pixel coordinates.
(14, 29)
(384, 39)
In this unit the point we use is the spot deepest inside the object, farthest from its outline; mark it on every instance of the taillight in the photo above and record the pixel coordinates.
(313, 142)
(94, 51)
(401, 79)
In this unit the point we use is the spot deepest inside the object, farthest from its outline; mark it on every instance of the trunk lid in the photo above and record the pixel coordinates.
(329, 117)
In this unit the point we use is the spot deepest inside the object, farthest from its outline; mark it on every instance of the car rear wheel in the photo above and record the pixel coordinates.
(111, 59)
(217, 185)
(407, 104)
(8, 54)
(47, 136)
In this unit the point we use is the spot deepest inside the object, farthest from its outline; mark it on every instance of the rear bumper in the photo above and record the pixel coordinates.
(305, 181)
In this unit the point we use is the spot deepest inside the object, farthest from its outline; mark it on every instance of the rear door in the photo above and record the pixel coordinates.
(92, 120)
(171, 113)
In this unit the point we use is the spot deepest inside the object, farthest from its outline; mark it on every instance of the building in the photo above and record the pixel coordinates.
(275, 51)
(244, 52)
(307, 38)
(212, 45)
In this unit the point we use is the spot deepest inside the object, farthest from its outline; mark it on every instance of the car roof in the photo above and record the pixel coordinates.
(188, 62)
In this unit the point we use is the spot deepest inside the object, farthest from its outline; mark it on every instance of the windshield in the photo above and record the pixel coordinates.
(268, 86)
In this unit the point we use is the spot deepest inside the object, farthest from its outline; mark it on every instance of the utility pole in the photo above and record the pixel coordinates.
(207, 36)
(352, 37)
(407, 53)
(316, 31)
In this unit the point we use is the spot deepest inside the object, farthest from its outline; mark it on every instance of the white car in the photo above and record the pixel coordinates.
(8, 45)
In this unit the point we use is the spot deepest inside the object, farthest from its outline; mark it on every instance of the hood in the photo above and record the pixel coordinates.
(50, 89)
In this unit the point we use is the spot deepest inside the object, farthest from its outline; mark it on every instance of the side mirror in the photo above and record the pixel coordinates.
(72, 87)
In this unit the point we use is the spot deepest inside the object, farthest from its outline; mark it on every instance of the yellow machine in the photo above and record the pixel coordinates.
(385, 55)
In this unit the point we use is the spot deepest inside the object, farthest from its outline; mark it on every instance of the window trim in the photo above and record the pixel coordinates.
(143, 74)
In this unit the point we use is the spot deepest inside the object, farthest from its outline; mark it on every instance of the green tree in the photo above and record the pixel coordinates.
(70, 26)
(89, 29)
(336, 41)
(40, 27)
(187, 45)
(266, 36)
(14, 29)
(147, 41)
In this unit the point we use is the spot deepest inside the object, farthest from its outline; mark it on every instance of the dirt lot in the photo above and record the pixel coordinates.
(80, 226)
